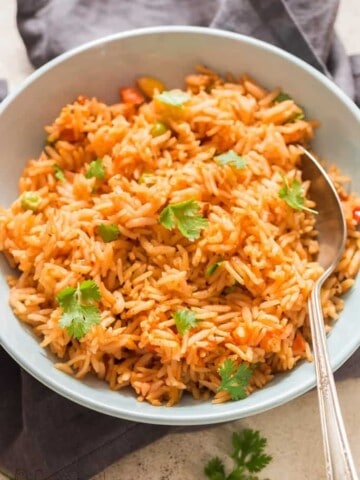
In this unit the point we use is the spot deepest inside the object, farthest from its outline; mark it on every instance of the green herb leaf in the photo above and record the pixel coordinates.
(248, 456)
(173, 98)
(212, 268)
(185, 217)
(215, 469)
(96, 169)
(89, 291)
(231, 158)
(297, 116)
(30, 201)
(108, 233)
(234, 380)
(293, 195)
(282, 97)
(78, 312)
(248, 450)
(59, 173)
(184, 320)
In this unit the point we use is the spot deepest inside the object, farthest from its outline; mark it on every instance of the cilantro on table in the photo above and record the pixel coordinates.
(59, 173)
(293, 195)
(185, 217)
(212, 268)
(231, 158)
(248, 455)
(234, 380)
(108, 233)
(282, 97)
(79, 313)
(96, 169)
(184, 320)
(173, 98)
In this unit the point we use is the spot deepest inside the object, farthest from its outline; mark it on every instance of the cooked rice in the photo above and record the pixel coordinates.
(269, 250)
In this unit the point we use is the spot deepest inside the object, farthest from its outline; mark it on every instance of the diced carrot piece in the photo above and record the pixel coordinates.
(149, 86)
(299, 343)
(131, 95)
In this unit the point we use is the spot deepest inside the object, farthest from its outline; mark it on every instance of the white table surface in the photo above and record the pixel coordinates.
(293, 430)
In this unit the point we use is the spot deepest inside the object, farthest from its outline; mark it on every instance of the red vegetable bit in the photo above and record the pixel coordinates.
(131, 95)
(356, 214)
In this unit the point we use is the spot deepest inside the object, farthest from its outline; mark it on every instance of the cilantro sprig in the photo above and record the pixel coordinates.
(248, 455)
(292, 194)
(184, 320)
(231, 158)
(234, 380)
(185, 216)
(79, 313)
(282, 97)
(96, 169)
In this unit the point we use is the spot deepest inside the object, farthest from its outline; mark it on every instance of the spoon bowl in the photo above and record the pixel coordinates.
(331, 226)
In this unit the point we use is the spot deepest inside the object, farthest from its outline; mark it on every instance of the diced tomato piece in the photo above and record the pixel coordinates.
(356, 214)
(131, 95)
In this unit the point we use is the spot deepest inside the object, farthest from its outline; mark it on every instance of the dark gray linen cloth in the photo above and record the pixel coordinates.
(42, 435)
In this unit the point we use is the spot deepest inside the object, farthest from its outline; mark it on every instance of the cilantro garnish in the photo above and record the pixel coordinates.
(79, 313)
(108, 233)
(248, 456)
(185, 217)
(231, 158)
(282, 97)
(293, 195)
(234, 380)
(184, 320)
(96, 169)
(297, 116)
(212, 268)
(173, 98)
(59, 173)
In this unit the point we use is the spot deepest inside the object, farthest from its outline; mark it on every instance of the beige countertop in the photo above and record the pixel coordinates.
(292, 430)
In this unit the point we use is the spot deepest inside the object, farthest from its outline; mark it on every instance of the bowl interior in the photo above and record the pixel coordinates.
(99, 69)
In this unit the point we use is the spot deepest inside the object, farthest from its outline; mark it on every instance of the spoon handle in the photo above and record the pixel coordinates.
(338, 458)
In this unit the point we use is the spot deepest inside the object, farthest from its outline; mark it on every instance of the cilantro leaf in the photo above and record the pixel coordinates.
(231, 158)
(185, 217)
(297, 116)
(293, 195)
(59, 173)
(234, 380)
(78, 312)
(109, 233)
(173, 98)
(215, 469)
(96, 169)
(66, 298)
(89, 291)
(248, 450)
(212, 268)
(282, 97)
(184, 320)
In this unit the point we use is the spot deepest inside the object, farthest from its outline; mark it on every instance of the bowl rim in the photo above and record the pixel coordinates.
(158, 417)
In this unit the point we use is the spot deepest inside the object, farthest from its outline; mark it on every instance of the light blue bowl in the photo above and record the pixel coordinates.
(169, 53)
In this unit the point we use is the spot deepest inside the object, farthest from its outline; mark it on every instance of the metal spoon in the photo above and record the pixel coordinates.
(330, 223)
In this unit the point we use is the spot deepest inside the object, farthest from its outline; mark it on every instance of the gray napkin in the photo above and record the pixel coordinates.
(42, 435)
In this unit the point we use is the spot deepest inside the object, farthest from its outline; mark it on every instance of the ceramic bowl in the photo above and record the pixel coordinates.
(169, 53)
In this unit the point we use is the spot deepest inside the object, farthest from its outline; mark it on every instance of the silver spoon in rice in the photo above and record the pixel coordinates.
(331, 225)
